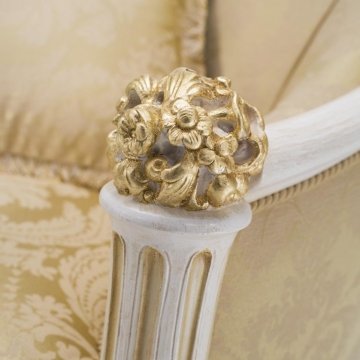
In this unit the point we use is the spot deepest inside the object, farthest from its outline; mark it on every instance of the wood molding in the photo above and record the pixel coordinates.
(168, 263)
(307, 144)
(163, 296)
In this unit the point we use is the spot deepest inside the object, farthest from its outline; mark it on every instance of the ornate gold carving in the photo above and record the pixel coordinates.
(185, 141)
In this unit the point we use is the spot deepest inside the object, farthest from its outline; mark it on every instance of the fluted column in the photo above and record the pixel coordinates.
(167, 269)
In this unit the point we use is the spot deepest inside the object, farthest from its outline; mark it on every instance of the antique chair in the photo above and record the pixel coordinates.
(291, 287)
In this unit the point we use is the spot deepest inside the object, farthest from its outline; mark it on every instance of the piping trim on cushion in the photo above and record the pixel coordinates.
(306, 185)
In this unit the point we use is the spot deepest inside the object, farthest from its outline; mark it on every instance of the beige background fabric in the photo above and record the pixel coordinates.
(286, 56)
(329, 68)
(291, 288)
(65, 64)
(292, 284)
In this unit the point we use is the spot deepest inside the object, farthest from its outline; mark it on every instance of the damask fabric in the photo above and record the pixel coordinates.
(65, 64)
(54, 253)
(291, 288)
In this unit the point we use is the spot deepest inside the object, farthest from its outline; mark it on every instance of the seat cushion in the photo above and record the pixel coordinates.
(54, 251)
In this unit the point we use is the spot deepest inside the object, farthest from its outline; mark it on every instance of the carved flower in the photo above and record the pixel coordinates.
(137, 130)
(185, 140)
(187, 124)
(218, 153)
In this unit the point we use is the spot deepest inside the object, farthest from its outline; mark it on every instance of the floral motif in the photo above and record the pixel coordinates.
(187, 124)
(281, 317)
(169, 131)
(137, 130)
(53, 270)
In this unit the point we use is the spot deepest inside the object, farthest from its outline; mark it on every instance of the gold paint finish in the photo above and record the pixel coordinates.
(185, 141)
(111, 330)
(152, 267)
(196, 281)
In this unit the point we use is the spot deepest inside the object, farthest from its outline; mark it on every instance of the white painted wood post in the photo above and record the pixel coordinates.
(168, 263)
(167, 270)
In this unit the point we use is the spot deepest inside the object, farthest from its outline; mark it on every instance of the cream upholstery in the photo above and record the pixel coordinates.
(65, 64)
(286, 57)
(291, 289)
(329, 68)
(54, 241)
(292, 284)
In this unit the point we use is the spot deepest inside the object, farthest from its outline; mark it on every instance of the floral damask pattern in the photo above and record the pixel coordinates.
(291, 289)
(54, 241)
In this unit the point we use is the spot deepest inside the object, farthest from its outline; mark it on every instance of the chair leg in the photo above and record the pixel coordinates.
(167, 270)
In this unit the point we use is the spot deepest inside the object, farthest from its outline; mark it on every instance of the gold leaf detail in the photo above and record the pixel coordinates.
(185, 141)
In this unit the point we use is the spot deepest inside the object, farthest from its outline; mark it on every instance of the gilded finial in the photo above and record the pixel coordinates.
(185, 141)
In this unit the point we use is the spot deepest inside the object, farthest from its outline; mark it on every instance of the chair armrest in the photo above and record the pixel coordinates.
(305, 145)
(168, 263)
